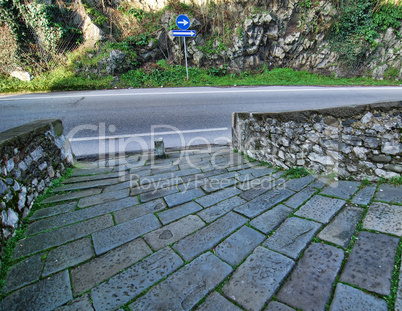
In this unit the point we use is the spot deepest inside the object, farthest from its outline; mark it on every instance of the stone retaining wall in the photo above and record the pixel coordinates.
(362, 141)
(30, 157)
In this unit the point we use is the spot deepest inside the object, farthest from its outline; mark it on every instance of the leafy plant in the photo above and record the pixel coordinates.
(137, 13)
(295, 172)
(354, 34)
(217, 72)
(97, 17)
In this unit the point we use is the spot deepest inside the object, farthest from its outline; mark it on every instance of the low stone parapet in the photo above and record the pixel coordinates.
(31, 156)
(362, 141)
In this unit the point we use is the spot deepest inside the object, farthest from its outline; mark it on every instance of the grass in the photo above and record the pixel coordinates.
(163, 75)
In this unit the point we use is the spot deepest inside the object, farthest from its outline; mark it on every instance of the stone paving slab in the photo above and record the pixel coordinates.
(298, 184)
(148, 188)
(54, 210)
(123, 287)
(239, 245)
(292, 237)
(212, 199)
(320, 208)
(183, 197)
(317, 269)
(88, 185)
(120, 186)
(173, 232)
(136, 211)
(80, 304)
(254, 283)
(215, 302)
(158, 193)
(264, 202)
(61, 236)
(164, 169)
(91, 273)
(341, 189)
(78, 179)
(71, 196)
(103, 198)
(384, 218)
(216, 185)
(204, 175)
(244, 177)
(214, 212)
(260, 171)
(300, 197)
(319, 183)
(184, 289)
(277, 306)
(348, 298)
(256, 187)
(68, 255)
(271, 219)
(371, 263)
(178, 212)
(92, 171)
(115, 236)
(389, 193)
(241, 167)
(209, 236)
(79, 215)
(155, 178)
(190, 185)
(341, 229)
(23, 273)
(364, 196)
(54, 292)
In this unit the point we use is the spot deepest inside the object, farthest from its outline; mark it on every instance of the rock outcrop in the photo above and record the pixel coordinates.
(281, 34)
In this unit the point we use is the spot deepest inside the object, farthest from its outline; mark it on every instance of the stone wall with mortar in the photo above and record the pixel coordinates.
(30, 157)
(362, 141)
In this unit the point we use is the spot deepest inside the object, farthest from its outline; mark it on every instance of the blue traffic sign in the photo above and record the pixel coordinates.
(183, 22)
(183, 33)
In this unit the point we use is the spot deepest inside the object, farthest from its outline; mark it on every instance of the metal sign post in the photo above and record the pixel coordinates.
(185, 55)
(183, 22)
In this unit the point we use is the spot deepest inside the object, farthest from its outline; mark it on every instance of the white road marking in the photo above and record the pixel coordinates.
(148, 134)
(226, 91)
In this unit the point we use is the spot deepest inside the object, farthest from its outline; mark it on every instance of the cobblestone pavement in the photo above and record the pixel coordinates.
(207, 230)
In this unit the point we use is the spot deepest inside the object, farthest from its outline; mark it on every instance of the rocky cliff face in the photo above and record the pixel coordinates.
(235, 34)
(279, 33)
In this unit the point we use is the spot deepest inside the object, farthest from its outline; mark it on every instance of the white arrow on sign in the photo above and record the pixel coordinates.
(184, 33)
(184, 22)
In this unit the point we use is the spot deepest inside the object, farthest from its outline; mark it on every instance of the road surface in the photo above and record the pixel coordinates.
(119, 121)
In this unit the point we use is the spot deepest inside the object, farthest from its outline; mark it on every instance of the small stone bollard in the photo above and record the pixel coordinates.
(159, 149)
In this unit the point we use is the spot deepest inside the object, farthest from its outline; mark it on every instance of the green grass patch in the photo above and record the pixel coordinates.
(163, 75)
(396, 180)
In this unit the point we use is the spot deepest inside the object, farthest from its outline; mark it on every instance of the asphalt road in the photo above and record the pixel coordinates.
(118, 121)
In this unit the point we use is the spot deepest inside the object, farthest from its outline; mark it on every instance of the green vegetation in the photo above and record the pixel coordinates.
(158, 75)
(96, 16)
(295, 172)
(355, 32)
(397, 180)
(23, 23)
(354, 35)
